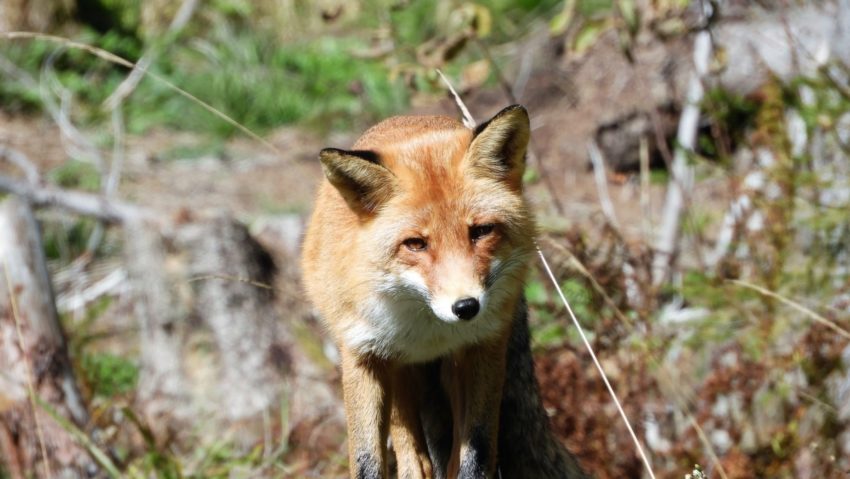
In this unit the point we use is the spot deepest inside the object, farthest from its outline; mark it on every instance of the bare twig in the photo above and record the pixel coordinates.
(645, 198)
(582, 269)
(78, 300)
(468, 120)
(738, 210)
(707, 443)
(113, 177)
(97, 206)
(602, 183)
(226, 277)
(77, 145)
(682, 175)
(597, 364)
(20, 160)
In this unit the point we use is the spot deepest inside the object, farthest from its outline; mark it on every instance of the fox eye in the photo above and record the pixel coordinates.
(415, 244)
(479, 231)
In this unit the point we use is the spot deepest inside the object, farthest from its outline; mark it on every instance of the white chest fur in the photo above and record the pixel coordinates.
(402, 326)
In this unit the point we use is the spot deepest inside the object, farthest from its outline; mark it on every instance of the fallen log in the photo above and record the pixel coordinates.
(35, 368)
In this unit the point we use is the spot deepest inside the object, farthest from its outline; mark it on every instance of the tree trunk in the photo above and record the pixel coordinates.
(162, 383)
(233, 274)
(33, 358)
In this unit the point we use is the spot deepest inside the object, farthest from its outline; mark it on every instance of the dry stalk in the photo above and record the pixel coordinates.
(799, 307)
(597, 364)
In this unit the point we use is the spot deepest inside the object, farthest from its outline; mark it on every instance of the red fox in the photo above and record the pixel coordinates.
(415, 257)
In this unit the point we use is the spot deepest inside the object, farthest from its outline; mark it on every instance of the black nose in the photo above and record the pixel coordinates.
(465, 308)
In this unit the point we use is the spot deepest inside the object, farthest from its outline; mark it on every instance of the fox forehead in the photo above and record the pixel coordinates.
(426, 155)
(418, 148)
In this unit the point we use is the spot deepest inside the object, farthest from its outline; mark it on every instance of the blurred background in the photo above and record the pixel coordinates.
(158, 159)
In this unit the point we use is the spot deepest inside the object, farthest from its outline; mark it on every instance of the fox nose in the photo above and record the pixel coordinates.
(465, 308)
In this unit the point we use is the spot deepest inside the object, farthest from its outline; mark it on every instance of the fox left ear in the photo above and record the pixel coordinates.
(358, 175)
(499, 145)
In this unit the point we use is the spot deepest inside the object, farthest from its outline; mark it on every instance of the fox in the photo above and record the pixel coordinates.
(415, 257)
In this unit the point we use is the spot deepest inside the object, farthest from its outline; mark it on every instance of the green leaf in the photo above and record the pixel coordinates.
(588, 34)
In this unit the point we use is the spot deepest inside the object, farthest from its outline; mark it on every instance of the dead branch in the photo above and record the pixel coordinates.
(87, 204)
(602, 184)
(20, 161)
(682, 175)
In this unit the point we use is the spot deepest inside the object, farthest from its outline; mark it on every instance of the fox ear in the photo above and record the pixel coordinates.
(498, 145)
(359, 177)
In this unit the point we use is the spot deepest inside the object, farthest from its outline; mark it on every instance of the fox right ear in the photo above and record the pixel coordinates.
(499, 145)
(359, 177)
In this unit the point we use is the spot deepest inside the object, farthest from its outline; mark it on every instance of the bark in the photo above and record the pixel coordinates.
(232, 274)
(162, 384)
(33, 354)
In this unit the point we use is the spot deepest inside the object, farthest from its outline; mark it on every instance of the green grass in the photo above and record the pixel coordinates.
(262, 84)
(253, 76)
(109, 375)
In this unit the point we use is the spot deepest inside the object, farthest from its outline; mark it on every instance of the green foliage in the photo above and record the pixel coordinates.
(590, 8)
(262, 84)
(109, 375)
(535, 293)
(732, 116)
(68, 240)
(580, 299)
(75, 174)
(551, 324)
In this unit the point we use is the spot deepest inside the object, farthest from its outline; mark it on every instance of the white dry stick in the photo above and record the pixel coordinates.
(596, 363)
(682, 174)
(738, 210)
(21, 161)
(96, 206)
(645, 198)
(602, 183)
(468, 121)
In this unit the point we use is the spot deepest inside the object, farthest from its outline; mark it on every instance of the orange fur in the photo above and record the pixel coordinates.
(421, 217)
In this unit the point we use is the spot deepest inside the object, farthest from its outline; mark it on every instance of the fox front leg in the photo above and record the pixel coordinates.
(366, 391)
(474, 379)
(406, 430)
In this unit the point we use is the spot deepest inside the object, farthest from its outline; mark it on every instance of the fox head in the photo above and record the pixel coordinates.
(440, 215)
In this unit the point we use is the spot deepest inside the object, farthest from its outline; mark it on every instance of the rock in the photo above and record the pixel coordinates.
(722, 440)
(619, 140)
(748, 442)
(280, 232)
